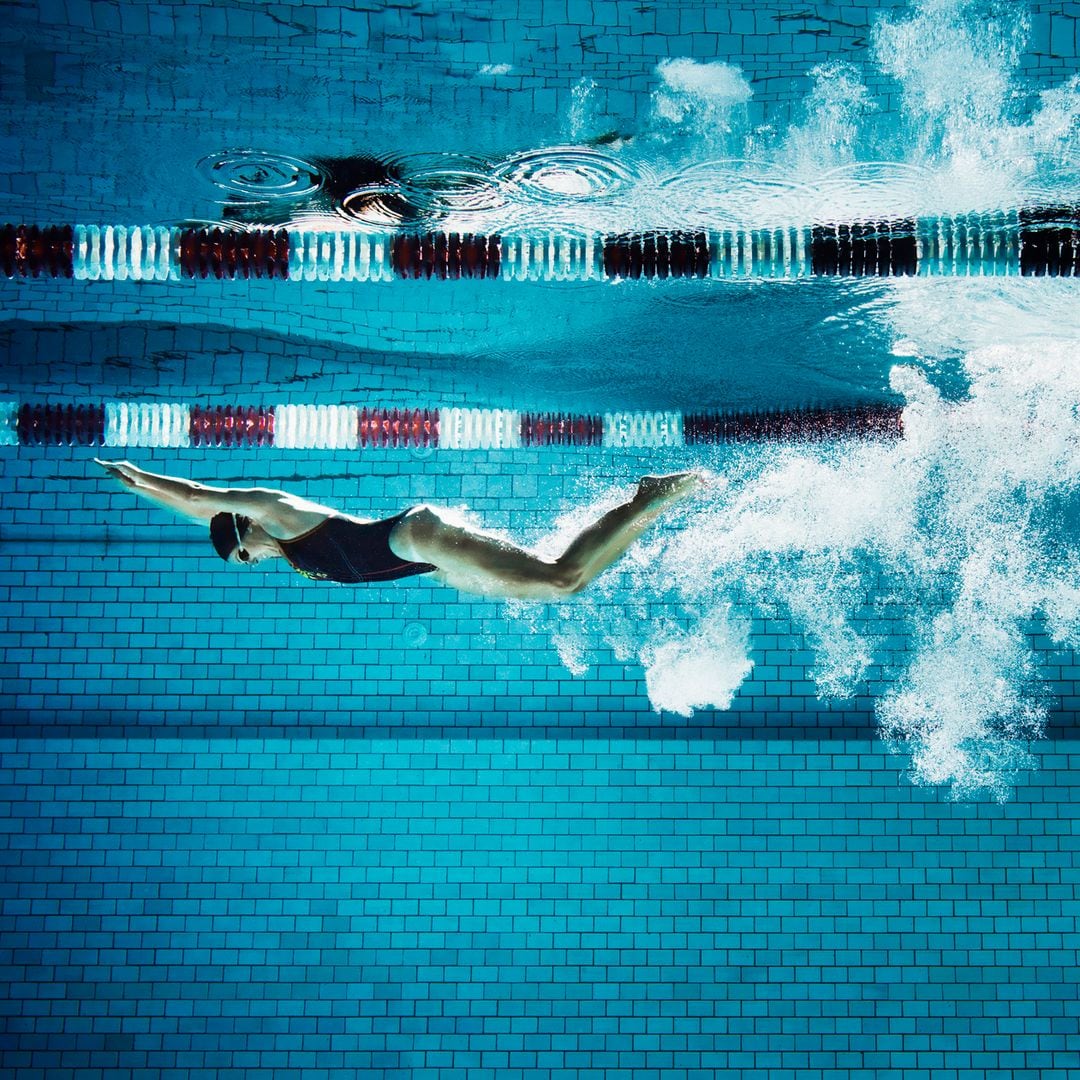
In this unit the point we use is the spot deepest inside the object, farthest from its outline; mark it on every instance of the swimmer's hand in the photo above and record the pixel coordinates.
(124, 471)
(184, 496)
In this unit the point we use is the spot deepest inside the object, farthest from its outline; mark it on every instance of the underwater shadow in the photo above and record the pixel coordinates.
(720, 727)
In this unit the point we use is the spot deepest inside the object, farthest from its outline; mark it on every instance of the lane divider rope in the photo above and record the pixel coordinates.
(350, 427)
(1034, 242)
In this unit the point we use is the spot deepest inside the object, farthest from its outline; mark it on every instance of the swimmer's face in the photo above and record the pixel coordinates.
(256, 547)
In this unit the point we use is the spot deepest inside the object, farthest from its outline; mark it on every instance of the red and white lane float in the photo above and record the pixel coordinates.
(358, 428)
(1030, 242)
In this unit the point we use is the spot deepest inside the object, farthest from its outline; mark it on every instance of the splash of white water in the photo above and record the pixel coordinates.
(836, 109)
(704, 100)
(964, 522)
(955, 61)
(955, 539)
(687, 671)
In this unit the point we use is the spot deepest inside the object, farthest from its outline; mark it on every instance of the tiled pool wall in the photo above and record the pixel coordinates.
(255, 826)
(415, 909)
(258, 826)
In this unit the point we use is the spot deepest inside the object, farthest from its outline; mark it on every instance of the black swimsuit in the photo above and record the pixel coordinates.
(339, 549)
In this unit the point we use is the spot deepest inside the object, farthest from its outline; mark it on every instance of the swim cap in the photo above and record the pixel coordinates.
(227, 532)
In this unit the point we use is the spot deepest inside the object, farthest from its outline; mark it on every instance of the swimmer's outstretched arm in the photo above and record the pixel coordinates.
(201, 501)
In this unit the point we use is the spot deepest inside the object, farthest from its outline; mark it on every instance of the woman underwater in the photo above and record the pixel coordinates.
(250, 525)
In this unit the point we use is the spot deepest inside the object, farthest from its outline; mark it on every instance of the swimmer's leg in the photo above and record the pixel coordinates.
(475, 562)
(606, 540)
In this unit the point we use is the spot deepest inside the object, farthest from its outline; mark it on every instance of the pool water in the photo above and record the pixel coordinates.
(790, 791)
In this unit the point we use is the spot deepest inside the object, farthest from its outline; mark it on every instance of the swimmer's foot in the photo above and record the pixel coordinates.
(659, 492)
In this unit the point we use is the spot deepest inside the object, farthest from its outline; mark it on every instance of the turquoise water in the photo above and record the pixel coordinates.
(789, 792)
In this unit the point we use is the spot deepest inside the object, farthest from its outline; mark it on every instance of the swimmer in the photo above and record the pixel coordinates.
(250, 525)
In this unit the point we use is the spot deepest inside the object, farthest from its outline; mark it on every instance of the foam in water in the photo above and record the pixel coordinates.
(686, 671)
(962, 142)
(705, 100)
(963, 115)
(959, 540)
(955, 61)
(583, 110)
(957, 527)
(833, 128)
